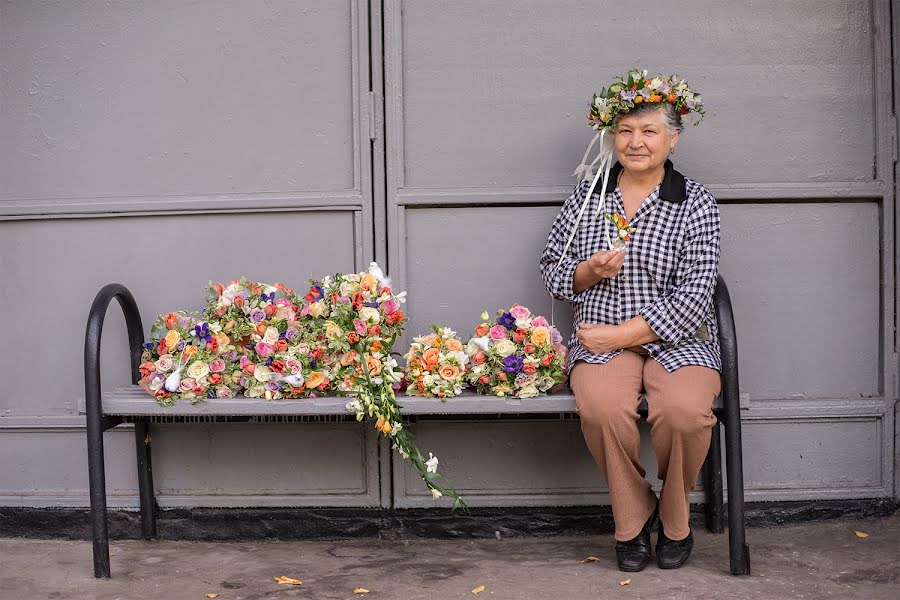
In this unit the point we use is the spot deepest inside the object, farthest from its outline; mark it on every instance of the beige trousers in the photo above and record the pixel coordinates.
(679, 406)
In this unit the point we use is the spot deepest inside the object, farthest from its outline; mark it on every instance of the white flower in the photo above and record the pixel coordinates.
(436, 493)
(431, 464)
(370, 315)
(481, 343)
(271, 335)
(529, 391)
(354, 406)
(198, 369)
(655, 83)
(505, 347)
(396, 429)
(263, 374)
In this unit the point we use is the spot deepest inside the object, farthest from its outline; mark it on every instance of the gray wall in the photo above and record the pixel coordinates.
(247, 132)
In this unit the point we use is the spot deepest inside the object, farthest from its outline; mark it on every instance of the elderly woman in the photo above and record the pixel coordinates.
(644, 317)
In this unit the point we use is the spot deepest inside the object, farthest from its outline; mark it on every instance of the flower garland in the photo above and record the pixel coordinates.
(637, 88)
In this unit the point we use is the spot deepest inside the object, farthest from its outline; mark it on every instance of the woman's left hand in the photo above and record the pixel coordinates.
(598, 338)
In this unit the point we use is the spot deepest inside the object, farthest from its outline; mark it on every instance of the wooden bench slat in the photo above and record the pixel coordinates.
(134, 401)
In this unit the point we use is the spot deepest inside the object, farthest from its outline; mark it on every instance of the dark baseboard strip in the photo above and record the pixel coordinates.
(229, 524)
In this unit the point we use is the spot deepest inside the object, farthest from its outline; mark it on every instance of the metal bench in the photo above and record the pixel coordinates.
(131, 404)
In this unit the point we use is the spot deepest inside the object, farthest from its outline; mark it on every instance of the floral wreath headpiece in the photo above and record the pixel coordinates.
(619, 98)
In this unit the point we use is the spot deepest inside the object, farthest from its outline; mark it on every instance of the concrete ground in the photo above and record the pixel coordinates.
(817, 560)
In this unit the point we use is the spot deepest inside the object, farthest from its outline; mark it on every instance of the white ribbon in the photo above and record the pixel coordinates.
(604, 155)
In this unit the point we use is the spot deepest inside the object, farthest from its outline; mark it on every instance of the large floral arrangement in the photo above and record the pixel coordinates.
(636, 88)
(358, 318)
(515, 354)
(188, 357)
(436, 364)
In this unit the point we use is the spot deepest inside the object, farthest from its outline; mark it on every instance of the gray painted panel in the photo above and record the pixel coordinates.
(49, 467)
(130, 98)
(495, 93)
(146, 254)
(253, 465)
(815, 453)
(791, 299)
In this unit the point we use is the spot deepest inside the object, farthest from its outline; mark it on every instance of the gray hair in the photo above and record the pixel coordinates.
(672, 118)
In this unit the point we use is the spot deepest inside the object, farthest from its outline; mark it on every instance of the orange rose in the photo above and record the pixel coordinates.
(478, 358)
(348, 358)
(431, 358)
(373, 365)
(314, 380)
(368, 282)
(449, 372)
(171, 321)
(453, 345)
(529, 369)
(189, 351)
(540, 335)
(481, 330)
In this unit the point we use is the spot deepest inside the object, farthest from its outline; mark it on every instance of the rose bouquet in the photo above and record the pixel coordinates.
(188, 357)
(242, 305)
(515, 355)
(436, 364)
(358, 318)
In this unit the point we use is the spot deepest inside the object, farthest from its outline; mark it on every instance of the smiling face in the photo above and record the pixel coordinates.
(643, 141)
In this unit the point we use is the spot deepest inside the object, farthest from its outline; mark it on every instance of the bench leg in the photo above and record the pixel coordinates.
(739, 552)
(145, 478)
(712, 481)
(97, 482)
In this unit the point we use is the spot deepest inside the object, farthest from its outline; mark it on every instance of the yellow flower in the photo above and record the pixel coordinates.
(172, 338)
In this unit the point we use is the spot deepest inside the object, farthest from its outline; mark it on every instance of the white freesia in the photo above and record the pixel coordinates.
(482, 343)
(396, 428)
(354, 406)
(431, 464)
(435, 493)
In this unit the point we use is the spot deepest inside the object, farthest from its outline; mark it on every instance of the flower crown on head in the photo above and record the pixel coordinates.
(636, 88)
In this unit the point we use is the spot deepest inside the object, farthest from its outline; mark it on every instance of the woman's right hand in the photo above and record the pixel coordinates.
(606, 263)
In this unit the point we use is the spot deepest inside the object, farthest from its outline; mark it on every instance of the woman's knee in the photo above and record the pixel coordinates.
(684, 418)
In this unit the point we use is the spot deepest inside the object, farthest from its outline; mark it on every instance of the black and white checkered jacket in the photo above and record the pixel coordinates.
(669, 275)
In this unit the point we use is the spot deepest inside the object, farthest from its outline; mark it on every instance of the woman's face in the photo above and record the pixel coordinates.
(643, 141)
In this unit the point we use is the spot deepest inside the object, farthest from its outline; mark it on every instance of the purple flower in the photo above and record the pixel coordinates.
(628, 95)
(372, 304)
(507, 320)
(273, 386)
(232, 355)
(512, 364)
(181, 345)
(257, 315)
(148, 346)
(290, 334)
(267, 297)
(555, 335)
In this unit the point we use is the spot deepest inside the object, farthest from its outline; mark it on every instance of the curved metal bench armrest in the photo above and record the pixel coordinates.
(731, 399)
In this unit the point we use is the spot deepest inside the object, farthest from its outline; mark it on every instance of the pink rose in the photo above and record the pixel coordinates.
(498, 332)
(285, 312)
(186, 385)
(293, 365)
(519, 312)
(264, 349)
(360, 326)
(223, 392)
(217, 366)
(244, 361)
(539, 322)
(389, 306)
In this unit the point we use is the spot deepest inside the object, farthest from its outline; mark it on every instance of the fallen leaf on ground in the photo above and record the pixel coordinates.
(212, 595)
(478, 590)
(284, 579)
(625, 582)
(590, 559)
(360, 591)
(861, 534)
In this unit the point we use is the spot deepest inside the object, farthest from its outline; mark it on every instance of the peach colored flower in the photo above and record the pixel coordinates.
(540, 335)
(431, 358)
(449, 372)
(453, 345)
(315, 379)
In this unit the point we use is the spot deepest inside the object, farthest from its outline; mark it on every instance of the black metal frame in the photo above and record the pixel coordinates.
(97, 423)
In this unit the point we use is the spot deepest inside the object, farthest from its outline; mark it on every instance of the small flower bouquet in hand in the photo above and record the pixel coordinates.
(515, 355)
(436, 364)
(357, 317)
(623, 230)
(188, 357)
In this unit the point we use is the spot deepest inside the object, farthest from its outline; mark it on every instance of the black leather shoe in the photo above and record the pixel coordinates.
(633, 555)
(671, 554)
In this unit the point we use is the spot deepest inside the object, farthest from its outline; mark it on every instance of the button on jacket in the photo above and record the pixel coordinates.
(669, 274)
